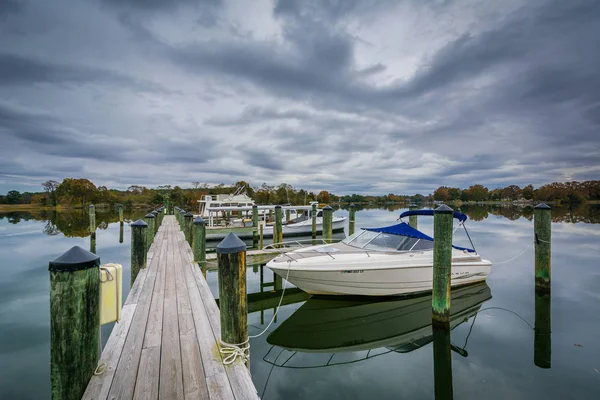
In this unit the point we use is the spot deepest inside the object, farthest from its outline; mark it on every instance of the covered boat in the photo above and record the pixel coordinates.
(392, 260)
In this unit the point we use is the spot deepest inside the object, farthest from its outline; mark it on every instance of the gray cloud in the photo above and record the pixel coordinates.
(319, 94)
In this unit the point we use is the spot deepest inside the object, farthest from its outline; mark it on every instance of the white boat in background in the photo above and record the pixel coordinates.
(393, 260)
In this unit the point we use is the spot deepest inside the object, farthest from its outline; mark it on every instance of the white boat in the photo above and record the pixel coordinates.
(393, 260)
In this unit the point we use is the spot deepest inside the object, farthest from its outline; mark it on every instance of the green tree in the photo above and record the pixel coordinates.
(13, 197)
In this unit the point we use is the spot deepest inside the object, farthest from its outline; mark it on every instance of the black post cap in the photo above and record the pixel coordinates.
(188, 215)
(199, 220)
(74, 259)
(327, 208)
(140, 223)
(254, 206)
(231, 244)
(412, 205)
(277, 206)
(352, 205)
(443, 209)
(92, 206)
(149, 215)
(542, 206)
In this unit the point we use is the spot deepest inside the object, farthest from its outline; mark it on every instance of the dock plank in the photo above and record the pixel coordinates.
(171, 380)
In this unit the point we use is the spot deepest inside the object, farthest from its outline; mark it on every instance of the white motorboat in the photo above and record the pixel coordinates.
(393, 260)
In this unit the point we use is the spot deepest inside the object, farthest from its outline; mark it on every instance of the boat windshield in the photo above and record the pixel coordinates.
(384, 241)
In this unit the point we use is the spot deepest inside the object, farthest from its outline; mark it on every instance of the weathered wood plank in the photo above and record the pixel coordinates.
(171, 380)
(134, 293)
(153, 334)
(126, 374)
(99, 385)
(146, 386)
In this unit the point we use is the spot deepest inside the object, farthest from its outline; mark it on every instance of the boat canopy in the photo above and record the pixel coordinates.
(458, 215)
(403, 229)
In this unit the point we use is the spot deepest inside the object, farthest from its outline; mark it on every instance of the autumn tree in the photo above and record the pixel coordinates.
(324, 197)
(81, 188)
(441, 194)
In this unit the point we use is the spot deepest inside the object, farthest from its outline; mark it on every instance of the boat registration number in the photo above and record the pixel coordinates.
(352, 271)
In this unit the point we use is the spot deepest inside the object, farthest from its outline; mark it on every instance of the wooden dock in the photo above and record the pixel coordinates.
(166, 344)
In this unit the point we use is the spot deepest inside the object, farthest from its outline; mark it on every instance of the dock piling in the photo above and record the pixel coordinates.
(188, 226)
(231, 256)
(150, 221)
(261, 242)
(254, 225)
(542, 227)
(277, 226)
(120, 208)
(287, 216)
(92, 212)
(314, 223)
(121, 233)
(327, 222)
(351, 219)
(442, 263)
(139, 252)
(156, 221)
(412, 220)
(199, 241)
(74, 322)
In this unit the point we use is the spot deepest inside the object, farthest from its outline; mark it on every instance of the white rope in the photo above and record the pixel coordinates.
(514, 258)
(231, 352)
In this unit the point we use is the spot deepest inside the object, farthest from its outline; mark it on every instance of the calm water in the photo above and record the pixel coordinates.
(354, 349)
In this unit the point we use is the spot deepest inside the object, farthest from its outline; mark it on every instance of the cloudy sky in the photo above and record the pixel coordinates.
(348, 96)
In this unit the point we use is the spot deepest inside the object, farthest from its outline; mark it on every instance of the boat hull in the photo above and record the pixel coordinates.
(373, 274)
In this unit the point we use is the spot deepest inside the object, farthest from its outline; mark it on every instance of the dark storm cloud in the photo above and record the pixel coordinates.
(311, 90)
(18, 70)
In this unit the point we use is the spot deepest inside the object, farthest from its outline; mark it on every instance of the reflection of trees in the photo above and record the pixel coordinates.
(577, 213)
(51, 229)
(71, 223)
(476, 213)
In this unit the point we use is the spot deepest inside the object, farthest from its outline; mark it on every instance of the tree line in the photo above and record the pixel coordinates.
(79, 192)
(562, 192)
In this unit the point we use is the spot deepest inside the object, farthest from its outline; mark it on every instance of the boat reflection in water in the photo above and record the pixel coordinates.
(354, 323)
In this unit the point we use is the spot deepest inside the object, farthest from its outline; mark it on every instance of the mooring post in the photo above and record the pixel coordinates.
(120, 233)
(351, 219)
(92, 213)
(120, 208)
(231, 257)
(261, 242)
(149, 220)
(412, 220)
(314, 222)
(277, 227)
(74, 322)
(168, 212)
(442, 263)
(542, 339)
(189, 227)
(139, 252)
(199, 241)
(254, 225)
(288, 217)
(327, 221)
(156, 221)
(442, 362)
(542, 227)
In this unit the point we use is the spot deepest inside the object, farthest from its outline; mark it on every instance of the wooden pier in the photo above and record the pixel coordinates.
(167, 343)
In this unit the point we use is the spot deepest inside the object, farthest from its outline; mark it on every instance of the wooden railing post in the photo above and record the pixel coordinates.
(139, 252)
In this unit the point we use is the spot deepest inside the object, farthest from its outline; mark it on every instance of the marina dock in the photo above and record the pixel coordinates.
(166, 344)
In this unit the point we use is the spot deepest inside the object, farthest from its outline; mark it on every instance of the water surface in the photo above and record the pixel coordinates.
(370, 359)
